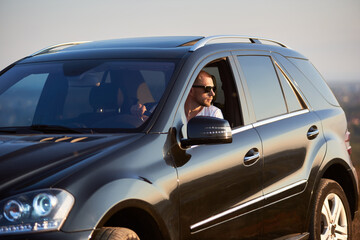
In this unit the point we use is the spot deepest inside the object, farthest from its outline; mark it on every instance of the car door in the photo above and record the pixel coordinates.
(290, 134)
(221, 185)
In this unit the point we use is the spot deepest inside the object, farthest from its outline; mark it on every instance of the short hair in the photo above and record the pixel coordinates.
(202, 72)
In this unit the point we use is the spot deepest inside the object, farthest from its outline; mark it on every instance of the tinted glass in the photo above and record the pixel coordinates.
(261, 78)
(82, 94)
(315, 78)
(18, 103)
(292, 100)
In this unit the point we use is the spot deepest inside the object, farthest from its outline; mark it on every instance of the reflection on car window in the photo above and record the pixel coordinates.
(315, 78)
(18, 103)
(262, 81)
(81, 94)
(293, 102)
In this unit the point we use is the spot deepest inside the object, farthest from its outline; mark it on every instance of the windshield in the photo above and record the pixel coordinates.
(84, 94)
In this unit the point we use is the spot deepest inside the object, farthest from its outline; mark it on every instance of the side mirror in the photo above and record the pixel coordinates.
(207, 130)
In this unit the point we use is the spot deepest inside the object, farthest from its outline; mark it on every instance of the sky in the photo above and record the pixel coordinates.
(325, 31)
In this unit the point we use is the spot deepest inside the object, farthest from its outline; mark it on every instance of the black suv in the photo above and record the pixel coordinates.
(77, 163)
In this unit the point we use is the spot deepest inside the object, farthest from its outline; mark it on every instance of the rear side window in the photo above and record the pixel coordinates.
(315, 78)
(293, 100)
(263, 84)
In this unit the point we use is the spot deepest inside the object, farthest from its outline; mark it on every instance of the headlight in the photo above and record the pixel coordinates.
(42, 210)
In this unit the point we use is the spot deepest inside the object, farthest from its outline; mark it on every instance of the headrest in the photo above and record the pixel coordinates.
(105, 97)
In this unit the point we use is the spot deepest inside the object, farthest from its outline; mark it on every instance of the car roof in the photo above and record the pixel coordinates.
(160, 47)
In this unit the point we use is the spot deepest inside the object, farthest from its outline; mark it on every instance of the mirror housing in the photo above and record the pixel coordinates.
(207, 130)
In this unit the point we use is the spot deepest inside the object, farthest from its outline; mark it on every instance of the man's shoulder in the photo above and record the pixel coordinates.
(212, 111)
(213, 108)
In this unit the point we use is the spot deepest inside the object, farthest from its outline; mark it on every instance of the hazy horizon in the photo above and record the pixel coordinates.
(325, 31)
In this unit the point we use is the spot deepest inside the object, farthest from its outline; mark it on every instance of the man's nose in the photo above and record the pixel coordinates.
(212, 93)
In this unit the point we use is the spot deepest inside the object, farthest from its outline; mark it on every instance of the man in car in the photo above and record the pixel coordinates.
(198, 102)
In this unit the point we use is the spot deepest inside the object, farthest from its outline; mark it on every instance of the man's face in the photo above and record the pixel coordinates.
(200, 96)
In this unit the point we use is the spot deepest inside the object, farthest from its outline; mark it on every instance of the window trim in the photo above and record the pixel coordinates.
(241, 129)
(280, 117)
(297, 93)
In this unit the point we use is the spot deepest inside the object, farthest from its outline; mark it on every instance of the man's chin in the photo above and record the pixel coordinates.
(206, 104)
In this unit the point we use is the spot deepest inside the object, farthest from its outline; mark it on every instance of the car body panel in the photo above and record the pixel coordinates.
(234, 190)
(126, 175)
(289, 159)
(35, 157)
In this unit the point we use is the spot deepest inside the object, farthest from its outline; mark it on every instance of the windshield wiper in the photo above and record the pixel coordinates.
(34, 129)
(57, 129)
(18, 130)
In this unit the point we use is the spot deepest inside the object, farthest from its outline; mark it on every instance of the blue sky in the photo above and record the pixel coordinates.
(326, 31)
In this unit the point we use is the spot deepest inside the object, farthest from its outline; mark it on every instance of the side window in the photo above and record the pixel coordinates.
(263, 84)
(226, 95)
(315, 78)
(294, 102)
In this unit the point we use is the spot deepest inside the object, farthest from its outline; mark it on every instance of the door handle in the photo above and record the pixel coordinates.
(312, 133)
(251, 156)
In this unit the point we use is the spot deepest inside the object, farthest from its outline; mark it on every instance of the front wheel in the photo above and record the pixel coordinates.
(331, 218)
(116, 233)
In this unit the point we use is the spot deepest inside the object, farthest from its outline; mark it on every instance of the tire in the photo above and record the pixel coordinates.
(331, 218)
(116, 233)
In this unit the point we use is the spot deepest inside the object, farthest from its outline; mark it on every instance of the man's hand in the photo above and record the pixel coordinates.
(138, 110)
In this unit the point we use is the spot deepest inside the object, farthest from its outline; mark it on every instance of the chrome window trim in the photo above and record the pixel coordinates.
(242, 129)
(278, 118)
(295, 89)
(241, 206)
(263, 122)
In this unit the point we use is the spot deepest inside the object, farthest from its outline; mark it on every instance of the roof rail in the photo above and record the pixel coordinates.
(202, 42)
(54, 47)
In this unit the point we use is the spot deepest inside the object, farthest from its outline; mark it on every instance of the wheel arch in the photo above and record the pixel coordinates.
(127, 197)
(138, 216)
(340, 172)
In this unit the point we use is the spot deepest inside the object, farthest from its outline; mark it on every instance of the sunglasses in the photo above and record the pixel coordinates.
(207, 89)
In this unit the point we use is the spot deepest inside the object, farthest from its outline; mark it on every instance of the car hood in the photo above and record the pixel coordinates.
(25, 160)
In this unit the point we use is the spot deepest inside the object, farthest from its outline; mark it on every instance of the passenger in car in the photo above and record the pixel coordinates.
(198, 102)
(139, 110)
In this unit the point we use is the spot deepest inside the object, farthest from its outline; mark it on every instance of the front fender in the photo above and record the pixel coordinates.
(119, 194)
